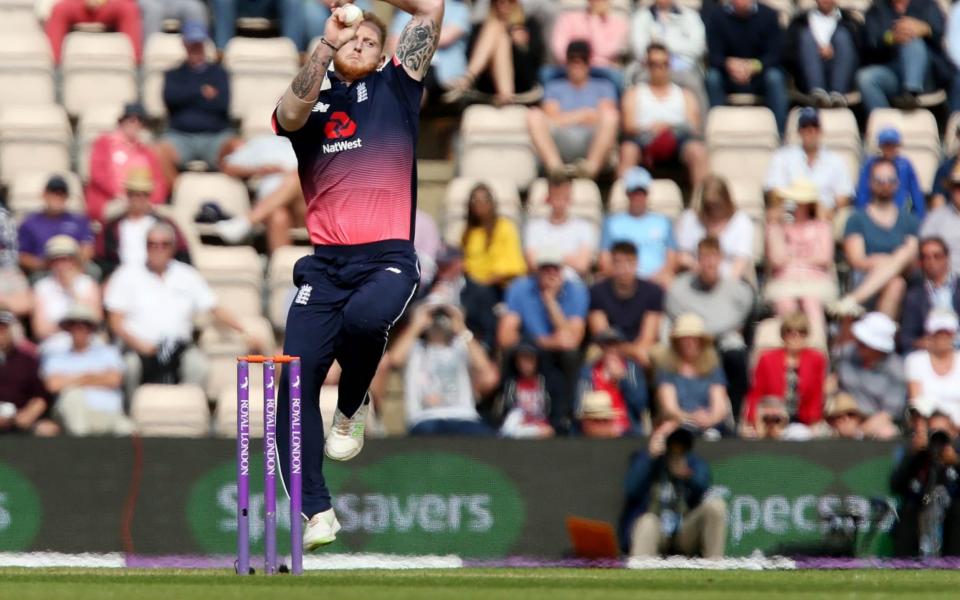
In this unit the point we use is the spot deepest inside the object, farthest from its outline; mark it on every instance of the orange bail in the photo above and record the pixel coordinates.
(259, 358)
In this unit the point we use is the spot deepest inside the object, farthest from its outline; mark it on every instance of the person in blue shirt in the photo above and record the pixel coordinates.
(908, 196)
(650, 232)
(550, 312)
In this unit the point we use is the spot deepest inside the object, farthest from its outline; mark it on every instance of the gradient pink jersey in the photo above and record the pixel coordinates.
(357, 158)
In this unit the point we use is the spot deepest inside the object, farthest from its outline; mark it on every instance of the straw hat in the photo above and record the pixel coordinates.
(80, 313)
(689, 325)
(801, 191)
(59, 246)
(139, 180)
(840, 404)
(597, 405)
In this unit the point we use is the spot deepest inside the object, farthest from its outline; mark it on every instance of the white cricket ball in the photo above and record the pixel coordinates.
(350, 14)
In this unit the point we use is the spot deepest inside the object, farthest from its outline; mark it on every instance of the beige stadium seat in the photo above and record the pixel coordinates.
(748, 197)
(33, 138)
(585, 202)
(228, 263)
(740, 141)
(193, 189)
(162, 52)
(664, 197)
(495, 143)
(98, 68)
(241, 298)
(256, 120)
(280, 282)
(26, 69)
(18, 16)
(222, 347)
(95, 121)
(921, 139)
(225, 415)
(951, 139)
(170, 411)
(260, 70)
(26, 192)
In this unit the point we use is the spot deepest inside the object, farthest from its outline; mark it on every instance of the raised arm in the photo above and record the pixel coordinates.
(420, 37)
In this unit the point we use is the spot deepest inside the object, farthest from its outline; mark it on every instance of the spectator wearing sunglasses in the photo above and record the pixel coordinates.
(907, 196)
(944, 221)
(937, 289)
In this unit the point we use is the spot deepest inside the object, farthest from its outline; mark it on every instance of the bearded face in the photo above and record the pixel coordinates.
(360, 56)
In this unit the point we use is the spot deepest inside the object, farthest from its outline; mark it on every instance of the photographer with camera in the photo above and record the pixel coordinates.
(926, 482)
(446, 371)
(666, 511)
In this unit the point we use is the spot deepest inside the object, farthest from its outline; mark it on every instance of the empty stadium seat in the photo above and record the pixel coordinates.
(193, 189)
(222, 346)
(585, 200)
(98, 68)
(162, 52)
(280, 282)
(663, 197)
(33, 138)
(255, 120)
(241, 298)
(18, 16)
(26, 69)
(495, 143)
(26, 192)
(740, 141)
(920, 135)
(260, 70)
(228, 263)
(170, 411)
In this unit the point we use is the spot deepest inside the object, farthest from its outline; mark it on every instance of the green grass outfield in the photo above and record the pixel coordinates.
(469, 584)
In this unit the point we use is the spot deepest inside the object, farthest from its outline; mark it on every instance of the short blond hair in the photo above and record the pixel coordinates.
(795, 321)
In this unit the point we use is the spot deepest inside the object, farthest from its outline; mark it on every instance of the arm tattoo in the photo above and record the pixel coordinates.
(417, 44)
(307, 82)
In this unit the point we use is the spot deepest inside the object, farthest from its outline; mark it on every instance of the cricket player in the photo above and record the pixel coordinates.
(353, 117)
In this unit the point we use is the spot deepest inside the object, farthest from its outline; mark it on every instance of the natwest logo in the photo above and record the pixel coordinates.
(339, 126)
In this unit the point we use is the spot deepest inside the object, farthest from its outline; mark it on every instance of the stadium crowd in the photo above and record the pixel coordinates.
(823, 304)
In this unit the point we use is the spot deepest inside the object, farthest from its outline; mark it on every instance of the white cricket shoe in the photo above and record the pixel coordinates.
(346, 434)
(321, 530)
(233, 231)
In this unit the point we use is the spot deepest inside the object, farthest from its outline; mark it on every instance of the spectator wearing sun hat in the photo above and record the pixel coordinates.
(64, 285)
(53, 220)
(844, 417)
(909, 196)
(934, 373)
(870, 371)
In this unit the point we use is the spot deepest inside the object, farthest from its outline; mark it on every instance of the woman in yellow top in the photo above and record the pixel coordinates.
(492, 254)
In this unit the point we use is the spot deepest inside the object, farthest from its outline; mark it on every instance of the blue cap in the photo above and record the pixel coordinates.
(888, 135)
(193, 32)
(809, 117)
(637, 178)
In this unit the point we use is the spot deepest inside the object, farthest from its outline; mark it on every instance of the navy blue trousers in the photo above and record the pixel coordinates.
(348, 298)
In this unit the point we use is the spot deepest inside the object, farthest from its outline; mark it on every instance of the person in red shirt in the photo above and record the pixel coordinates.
(114, 154)
(613, 390)
(120, 15)
(795, 373)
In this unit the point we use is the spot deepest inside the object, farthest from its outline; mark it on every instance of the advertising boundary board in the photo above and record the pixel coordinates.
(476, 498)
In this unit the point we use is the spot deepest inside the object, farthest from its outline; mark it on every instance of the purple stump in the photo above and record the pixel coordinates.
(269, 468)
(296, 472)
(243, 468)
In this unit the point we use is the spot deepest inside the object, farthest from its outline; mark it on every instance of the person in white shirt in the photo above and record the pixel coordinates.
(810, 160)
(65, 285)
(151, 311)
(933, 375)
(573, 237)
(680, 29)
(717, 216)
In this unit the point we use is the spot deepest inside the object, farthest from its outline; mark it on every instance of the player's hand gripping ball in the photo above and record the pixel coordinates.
(349, 14)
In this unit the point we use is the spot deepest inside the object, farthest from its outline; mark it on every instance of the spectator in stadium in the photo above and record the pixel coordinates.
(822, 46)
(304, 20)
(113, 155)
(197, 97)
(605, 30)
(492, 254)
(446, 372)
(933, 374)
(811, 160)
(844, 418)
(666, 510)
(717, 216)
(155, 12)
(550, 312)
(661, 122)
(24, 402)
(86, 377)
(65, 285)
(118, 15)
(926, 475)
(15, 293)
(452, 286)
(680, 29)
(724, 304)
(449, 63)
(691, 387)
(794, 376)
(902, 49)
(577, 125)
(870, 371)
(151, 310)
(799, 251)
(628, 304)
(506, 51)
(526, 402)
(613, 390)
(944, 221)
(576, 238)
(124, 237)
(427, 243)
(908, 197)
(650, 233)
(745, 42)
(226, 12)
(880, 244)
(54, 220)
(938, 289)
